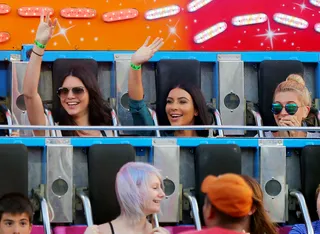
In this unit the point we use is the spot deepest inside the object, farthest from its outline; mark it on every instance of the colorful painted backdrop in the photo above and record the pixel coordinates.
(200, 25)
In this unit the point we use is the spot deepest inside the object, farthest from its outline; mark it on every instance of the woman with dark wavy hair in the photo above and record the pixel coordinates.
(185, 104)
(81, 101)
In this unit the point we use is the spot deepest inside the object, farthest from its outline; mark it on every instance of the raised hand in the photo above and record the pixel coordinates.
(45, 28)
(292, 121)
(145, 52)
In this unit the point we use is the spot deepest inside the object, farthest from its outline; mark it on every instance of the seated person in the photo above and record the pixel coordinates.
(291, 106)
(81, 102)
(259, 221)
(185, 102)
(301, 228)
(139, 192)
(16, 214)
(227, 206)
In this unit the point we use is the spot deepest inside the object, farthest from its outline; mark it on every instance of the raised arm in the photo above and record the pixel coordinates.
(32, 98)
(142, 55)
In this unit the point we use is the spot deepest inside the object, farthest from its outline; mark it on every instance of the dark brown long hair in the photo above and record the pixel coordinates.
(260, 221)
(199, 102)
(99, 110)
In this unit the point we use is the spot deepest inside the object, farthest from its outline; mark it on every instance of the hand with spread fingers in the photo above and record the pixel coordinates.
(45, 29)
(291, 121)
(159, 230)
(94, 229)
(145, 52)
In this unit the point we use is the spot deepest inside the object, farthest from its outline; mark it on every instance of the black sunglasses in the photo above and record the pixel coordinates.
(291, 108)
(64, 91)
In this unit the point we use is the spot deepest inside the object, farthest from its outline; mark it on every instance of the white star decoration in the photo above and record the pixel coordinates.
(270, 34)
(63, 32)
(302, 6)
(173, 31)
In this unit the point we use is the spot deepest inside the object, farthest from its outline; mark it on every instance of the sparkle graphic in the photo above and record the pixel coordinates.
(32, 31)
(63, 32)
(302, 6)
(270, 34)
(173, 30)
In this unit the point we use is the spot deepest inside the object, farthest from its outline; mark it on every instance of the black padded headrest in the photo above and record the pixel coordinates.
(272, 73)
(13, 169)
(60, 67)
(3, 120)
(169, 74)
(310, 177)
(104, 162)
(215, 160)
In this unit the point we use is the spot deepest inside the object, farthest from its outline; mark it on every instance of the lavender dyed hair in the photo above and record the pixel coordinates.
(132, 186)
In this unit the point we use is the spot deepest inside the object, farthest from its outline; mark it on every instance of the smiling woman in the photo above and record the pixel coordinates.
(81, 102)
(291, 106)
(185, 104)
(139, 193)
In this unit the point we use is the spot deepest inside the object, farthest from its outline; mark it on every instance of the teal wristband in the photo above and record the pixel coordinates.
(135, 67)
(39, 45)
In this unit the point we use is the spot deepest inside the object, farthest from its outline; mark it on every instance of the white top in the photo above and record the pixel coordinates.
(269, 134)
(109, 133)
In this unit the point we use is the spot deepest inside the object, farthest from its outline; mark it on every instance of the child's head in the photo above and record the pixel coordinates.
(16, 214)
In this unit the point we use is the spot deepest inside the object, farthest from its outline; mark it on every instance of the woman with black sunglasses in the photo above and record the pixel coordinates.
(291, 106)
(81, 101)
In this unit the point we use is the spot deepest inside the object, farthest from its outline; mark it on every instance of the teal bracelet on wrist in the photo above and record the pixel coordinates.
(39, 45)
(135, 67)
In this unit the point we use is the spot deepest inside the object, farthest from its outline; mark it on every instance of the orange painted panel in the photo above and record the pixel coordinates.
(94, 33)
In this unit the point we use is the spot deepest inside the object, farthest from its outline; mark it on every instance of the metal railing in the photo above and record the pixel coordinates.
(304, 209)
(154, 128)
(44, 213)
(86, 206)
(194, 209)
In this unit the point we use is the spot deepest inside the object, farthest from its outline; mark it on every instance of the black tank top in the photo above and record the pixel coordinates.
(111, 227)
